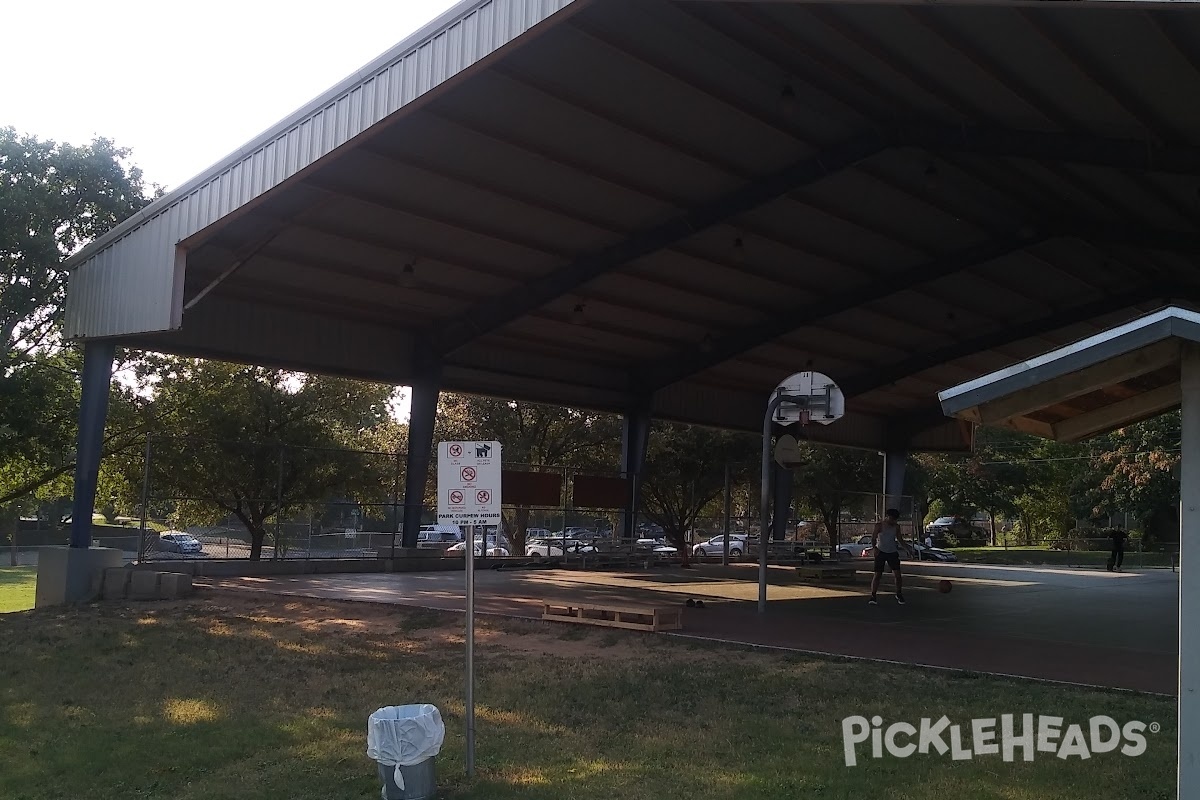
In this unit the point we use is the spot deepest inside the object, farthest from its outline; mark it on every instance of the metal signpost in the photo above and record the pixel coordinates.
(469, 495)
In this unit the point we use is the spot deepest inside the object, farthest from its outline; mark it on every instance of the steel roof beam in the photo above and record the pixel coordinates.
(491, 315)
(1059, 148)
(878, 378)
(671, 370)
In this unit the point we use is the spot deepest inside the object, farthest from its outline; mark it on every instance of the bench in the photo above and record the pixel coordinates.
(827, 572)
(638, 618)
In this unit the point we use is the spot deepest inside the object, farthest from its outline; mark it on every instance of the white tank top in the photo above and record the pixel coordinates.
(888, 534)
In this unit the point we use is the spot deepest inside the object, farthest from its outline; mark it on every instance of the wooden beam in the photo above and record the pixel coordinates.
(1125, 412)
(1031, 426)
(1080, 382)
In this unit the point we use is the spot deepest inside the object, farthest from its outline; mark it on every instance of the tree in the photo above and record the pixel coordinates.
(990, 479)
(54, 198)
(531, 434)
(250, 441)
(1132, 470)
(828, 477)
(685, 472)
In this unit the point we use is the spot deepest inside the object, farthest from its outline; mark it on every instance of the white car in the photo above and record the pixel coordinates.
(859, 548)
(656, 546)
(550, 548)
(179, 542)
(716, 546)
(494, 551)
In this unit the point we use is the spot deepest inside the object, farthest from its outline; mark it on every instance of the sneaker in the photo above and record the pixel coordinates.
(900, 599)
(872, 601)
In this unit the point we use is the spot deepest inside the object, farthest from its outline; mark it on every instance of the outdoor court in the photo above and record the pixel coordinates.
(1073, 625)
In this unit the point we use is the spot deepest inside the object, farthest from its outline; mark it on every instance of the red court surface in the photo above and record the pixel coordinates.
(1072, 625)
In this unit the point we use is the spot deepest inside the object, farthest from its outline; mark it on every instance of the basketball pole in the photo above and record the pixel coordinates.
(765, 494)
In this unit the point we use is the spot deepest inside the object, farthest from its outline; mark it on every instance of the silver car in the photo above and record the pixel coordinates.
(179, 542)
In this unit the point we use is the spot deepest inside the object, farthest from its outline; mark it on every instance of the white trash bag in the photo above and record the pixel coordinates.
(401, 736)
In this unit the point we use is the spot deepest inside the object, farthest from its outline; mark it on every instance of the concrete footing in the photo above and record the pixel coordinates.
(72, 574)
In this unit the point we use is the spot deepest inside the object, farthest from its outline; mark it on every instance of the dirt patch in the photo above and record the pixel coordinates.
(295, 618)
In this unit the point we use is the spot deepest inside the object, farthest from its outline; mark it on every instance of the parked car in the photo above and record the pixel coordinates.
(656, 546)
(958, 528)
(716, 546)
(550, 548)
(924, 553)
(179, 542)
(438, 537)
(859, 548)
(494, 550)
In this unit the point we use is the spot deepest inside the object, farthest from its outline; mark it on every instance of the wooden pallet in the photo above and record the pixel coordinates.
(827, 572)
(637, 618)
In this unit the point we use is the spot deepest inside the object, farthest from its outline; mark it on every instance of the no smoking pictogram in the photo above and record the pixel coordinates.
(483, 497)
(456, 498)
(468, 474)
(456, 451)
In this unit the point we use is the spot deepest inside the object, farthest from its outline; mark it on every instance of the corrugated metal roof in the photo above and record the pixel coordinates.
(953, 188)
(128, 281)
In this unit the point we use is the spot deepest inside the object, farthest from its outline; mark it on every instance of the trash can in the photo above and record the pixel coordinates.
(405, 741)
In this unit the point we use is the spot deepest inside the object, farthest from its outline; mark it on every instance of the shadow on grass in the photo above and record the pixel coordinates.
(270, 699)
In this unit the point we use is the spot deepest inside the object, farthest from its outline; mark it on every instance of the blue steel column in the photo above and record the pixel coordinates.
(635, 436)
(783, 503)
(423, 411)
(89, 445)
(894, 463)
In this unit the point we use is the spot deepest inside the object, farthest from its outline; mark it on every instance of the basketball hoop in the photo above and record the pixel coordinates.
(807, 397)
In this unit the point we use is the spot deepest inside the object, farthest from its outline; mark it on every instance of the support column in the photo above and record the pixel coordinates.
(635, 436)
(783, 503)
(89, 446)
(1189, 578)
(423, 411)
(894, 462)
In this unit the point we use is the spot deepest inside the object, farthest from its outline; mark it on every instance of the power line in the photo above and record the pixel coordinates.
(1075, 458)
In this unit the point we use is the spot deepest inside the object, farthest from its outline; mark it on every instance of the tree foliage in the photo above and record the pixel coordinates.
(1132, 471)
(532, 434)
(685, 472)
(54, 198)
(250, 441)
(828, 477)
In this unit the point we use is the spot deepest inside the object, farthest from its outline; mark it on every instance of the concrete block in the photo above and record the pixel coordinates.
(174, 585)
(72, 574)
(116, 584)
(143, 585)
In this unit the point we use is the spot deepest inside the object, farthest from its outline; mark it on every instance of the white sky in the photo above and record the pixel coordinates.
(182, 84)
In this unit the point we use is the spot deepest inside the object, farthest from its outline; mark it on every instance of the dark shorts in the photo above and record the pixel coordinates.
(886, 560)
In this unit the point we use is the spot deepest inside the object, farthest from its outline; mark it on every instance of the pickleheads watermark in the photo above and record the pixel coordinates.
(1006, 737)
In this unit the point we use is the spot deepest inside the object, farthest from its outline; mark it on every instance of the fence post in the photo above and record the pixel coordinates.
(279, 501)
(395, 505)
(145, 501)
(728, 515)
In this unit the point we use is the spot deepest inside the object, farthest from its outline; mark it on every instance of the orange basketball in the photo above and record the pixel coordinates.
(945, 586)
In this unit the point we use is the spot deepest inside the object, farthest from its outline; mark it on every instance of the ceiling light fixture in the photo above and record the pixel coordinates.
(739, 251)
(789, 103)
(408, 275)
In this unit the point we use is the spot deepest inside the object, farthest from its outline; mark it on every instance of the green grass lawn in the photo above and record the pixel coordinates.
(236, 697)
(1044, 555)
(16, 588)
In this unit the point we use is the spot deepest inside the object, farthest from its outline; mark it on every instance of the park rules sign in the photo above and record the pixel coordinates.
(469, 483)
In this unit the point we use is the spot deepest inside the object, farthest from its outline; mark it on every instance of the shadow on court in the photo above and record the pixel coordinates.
(1073, 625)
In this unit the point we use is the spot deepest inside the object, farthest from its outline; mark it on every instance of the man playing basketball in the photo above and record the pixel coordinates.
(886, 540)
